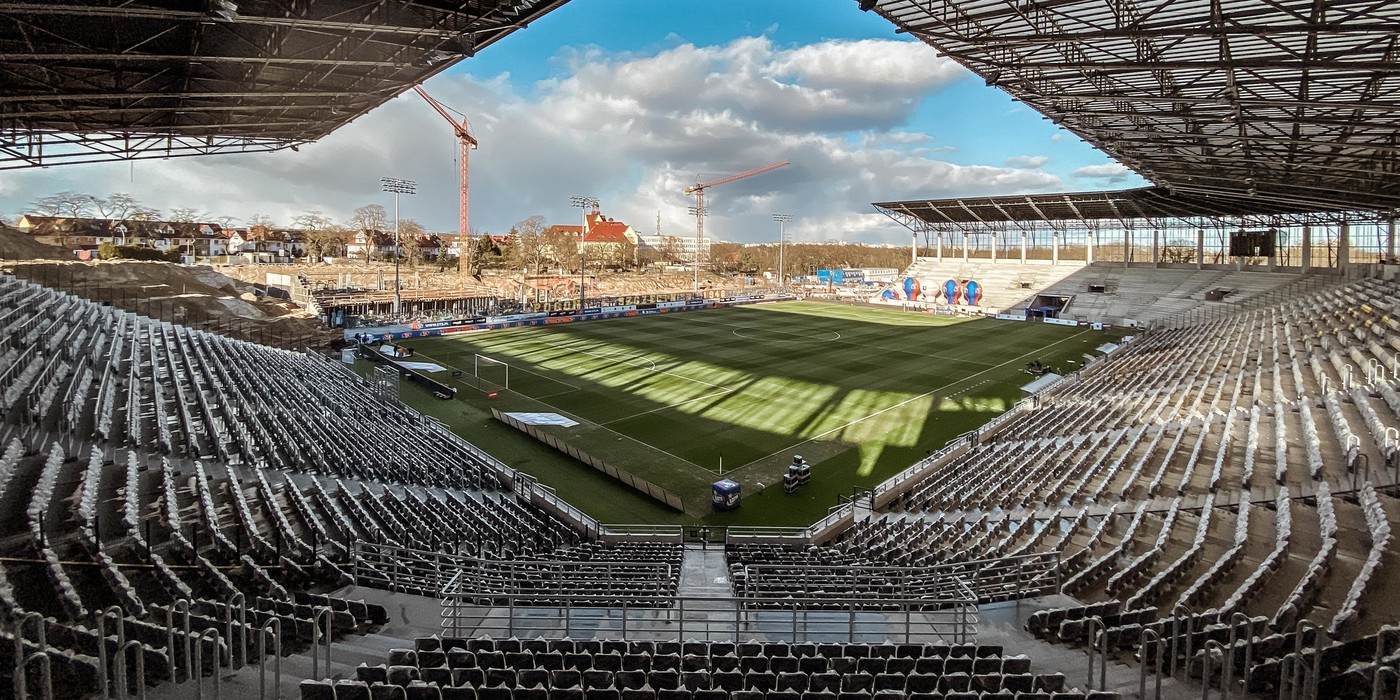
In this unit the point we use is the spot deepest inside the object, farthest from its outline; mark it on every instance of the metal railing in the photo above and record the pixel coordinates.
(953, 619)
(435, 574)
(985, 580)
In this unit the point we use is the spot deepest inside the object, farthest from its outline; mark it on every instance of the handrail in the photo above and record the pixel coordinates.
(1161, 648)
(242, 629)
(21, 661)
(1229, 677)
(1176, 635)
(952, 619)
(199, 640)
(316, 639)
(120, 661)
(1212, 645)
(103, 663)
(1098, 641)
(274, 625)
(183, 606)
(22, 675)
(1316, 670)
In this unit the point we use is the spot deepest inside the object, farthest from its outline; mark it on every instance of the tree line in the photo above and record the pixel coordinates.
(531, 244)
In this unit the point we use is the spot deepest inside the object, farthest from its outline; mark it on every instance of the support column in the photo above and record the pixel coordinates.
(994, 247)
(1127, 246)
(1343, 248)
(1156, 247)
(940, 246)
(1023, 247)
(1307, 249)
(964, 246)
(1200, 248)
(1088, 247)
(1273, 258)
(1390, 239)
(1055, 248)
(913, 250)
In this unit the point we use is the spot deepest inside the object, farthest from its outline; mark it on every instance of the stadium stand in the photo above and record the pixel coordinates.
(1231, 467)
(1223, 485)
(641, 670)
(171, 489)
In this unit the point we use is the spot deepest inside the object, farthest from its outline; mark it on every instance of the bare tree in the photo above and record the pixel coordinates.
(117, 206)
(370, 217)
(411, 234)
(186, 215)
(143, 214)
(528, 248)
(562, 247)
(319, 233)
(671, 249)
(66, 203)
(262, 220)
(225, 221)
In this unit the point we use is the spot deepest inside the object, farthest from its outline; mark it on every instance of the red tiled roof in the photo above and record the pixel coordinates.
(607, 232)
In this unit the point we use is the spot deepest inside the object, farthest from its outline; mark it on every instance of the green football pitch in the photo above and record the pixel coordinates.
(682, 399)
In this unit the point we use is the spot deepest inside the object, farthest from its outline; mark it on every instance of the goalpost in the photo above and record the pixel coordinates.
(491, 374)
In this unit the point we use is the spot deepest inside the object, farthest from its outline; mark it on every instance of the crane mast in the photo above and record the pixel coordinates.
(698, 189)
(468, 143)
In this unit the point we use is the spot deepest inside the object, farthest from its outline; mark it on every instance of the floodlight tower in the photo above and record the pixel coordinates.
(782, 220)
(398, 187)
(584, 203)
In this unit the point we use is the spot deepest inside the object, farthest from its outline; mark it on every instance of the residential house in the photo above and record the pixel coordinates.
(603, 238)
(370, 243)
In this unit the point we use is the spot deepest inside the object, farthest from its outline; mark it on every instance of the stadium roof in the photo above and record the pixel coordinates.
(1145, 204)
(90, 80)
(1280, 103)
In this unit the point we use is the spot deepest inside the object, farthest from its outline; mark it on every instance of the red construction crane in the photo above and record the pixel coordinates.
(698, 189)
(468, 144)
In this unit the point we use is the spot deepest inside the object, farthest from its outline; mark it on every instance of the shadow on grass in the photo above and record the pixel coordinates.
(959, 401)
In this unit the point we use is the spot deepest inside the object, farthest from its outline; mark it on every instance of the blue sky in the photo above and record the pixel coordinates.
(630, 100)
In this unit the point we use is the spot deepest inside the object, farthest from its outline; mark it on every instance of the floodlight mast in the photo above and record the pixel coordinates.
(698, 189)
(398, 187)
(584, 203)
(782, 220)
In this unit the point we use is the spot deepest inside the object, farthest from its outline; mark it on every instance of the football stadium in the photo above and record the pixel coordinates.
(1140, 443)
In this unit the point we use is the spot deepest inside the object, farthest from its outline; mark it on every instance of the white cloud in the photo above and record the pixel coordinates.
(1031, 162)
(631, 130)
(1105, 173)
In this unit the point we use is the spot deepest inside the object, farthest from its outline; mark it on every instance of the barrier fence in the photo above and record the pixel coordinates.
(950, 620)
(633, 481)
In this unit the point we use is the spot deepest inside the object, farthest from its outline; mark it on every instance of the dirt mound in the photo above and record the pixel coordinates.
(498, 282)
(193, 296)
(17, 245)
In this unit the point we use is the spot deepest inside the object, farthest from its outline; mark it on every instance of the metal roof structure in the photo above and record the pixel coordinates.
(1263, 104)
(1147, 205)
(93, 80)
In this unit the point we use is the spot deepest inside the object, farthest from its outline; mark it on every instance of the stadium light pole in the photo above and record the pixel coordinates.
(782, 220)
(398, 187)
(697, 212)
(584, 203)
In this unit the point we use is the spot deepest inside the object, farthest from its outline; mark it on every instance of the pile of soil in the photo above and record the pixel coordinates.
(194, 296)
(17, 245)
(494, 282)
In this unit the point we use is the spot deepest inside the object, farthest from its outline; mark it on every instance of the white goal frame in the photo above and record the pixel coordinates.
(478, 360)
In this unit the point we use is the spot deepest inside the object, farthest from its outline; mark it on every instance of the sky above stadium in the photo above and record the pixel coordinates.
(629, 101)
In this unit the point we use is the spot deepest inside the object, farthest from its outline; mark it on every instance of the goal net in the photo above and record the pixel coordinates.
(491, 374)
